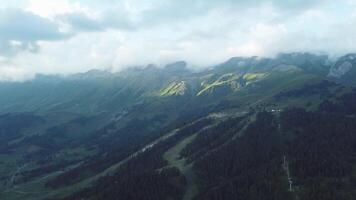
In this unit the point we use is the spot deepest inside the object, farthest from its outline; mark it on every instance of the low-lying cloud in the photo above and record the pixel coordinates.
(39, 36)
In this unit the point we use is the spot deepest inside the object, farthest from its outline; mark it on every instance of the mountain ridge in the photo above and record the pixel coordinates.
(70, 137)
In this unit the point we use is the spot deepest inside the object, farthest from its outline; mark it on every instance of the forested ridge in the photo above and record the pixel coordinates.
(243, 159)
(252, 131)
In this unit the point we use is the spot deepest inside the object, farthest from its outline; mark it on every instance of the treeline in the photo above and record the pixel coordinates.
(212, 138)
(319, 147)
(145, 176)
(115, 146)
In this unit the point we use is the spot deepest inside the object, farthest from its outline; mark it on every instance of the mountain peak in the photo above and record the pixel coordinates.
(343, 66)
(180, 66)
(94, 73)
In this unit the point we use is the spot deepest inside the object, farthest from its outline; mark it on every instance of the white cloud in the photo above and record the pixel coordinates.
(49, 9)
(117, 34)
(13, 73)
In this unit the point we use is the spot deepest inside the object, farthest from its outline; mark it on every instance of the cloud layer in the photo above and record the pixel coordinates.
(40, 36)
(20, 31)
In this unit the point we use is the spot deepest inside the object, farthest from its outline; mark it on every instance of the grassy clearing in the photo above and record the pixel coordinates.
(174, 160)
(223, 80)
(174, 89)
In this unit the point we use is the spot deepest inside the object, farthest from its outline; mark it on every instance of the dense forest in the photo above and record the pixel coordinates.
(292, 154)
(146, 175)
(250, 167)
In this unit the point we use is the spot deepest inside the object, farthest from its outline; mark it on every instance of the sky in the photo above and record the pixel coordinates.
(70, 36)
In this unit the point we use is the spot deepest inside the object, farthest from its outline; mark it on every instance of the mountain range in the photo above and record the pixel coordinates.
(249, 128)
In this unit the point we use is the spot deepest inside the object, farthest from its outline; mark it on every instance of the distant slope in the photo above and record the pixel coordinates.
(74, 137)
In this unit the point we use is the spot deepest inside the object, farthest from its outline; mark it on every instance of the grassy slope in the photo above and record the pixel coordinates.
(173, 159)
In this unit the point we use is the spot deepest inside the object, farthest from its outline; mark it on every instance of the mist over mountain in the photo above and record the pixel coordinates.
(73, 36)
(101, 90)
(177, 100)
(248, 128)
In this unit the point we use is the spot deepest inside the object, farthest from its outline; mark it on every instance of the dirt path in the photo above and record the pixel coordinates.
(172, 157)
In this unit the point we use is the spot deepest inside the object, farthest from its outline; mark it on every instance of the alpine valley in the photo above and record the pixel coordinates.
(251, 128)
